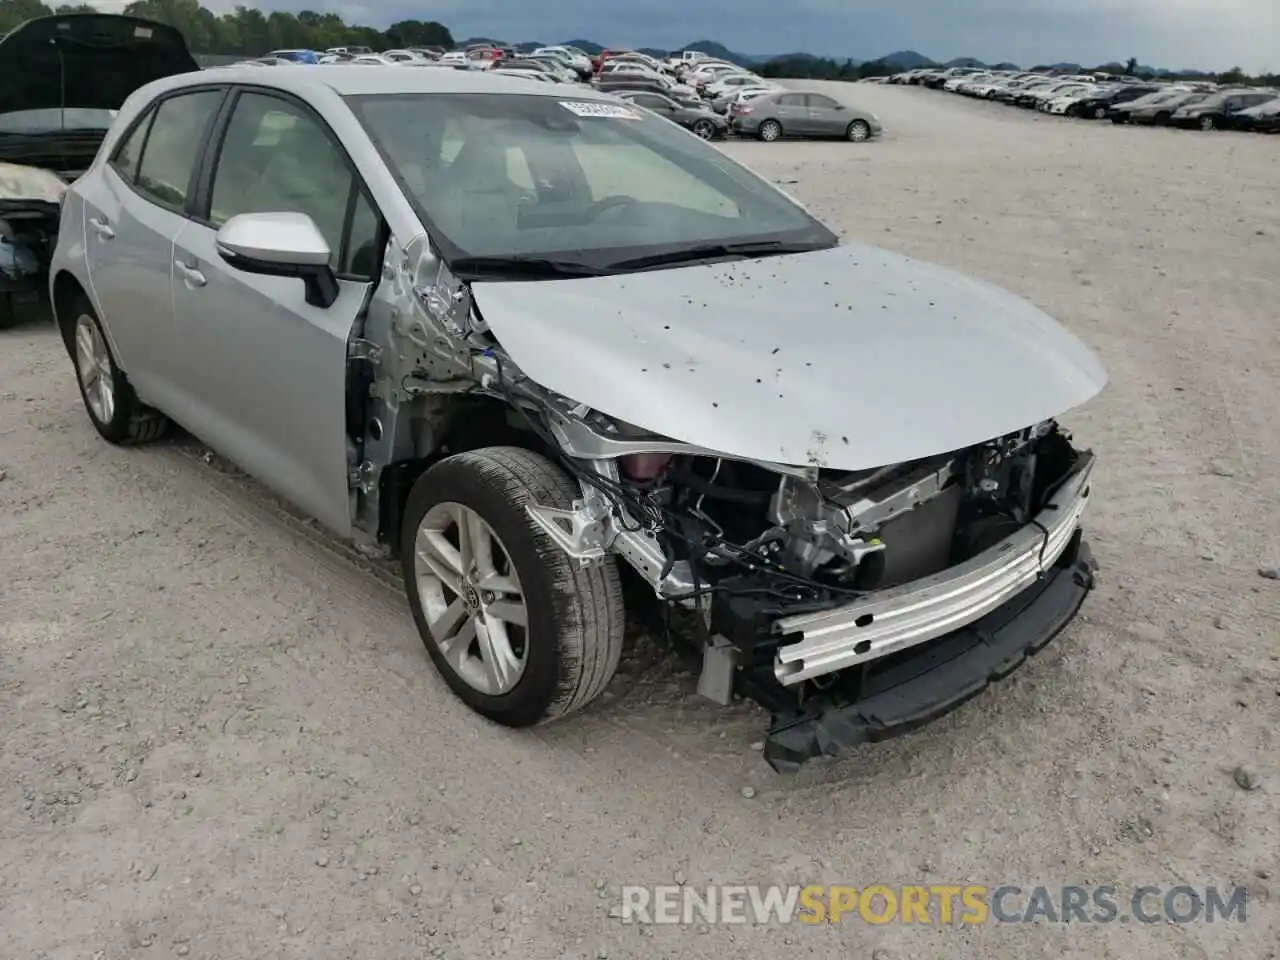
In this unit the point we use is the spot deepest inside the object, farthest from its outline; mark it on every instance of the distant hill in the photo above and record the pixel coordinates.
(586, 46)
(897, 61)
(906, 60)
(720, 51)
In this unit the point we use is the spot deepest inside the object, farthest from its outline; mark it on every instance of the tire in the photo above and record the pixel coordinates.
(705, 129)
(858, 131)
(113, 408)
(571, 642)
(1162, 119)
(769, 131)
(1100, 113)
(1208, 123)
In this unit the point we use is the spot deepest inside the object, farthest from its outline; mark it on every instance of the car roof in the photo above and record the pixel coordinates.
(349, 80)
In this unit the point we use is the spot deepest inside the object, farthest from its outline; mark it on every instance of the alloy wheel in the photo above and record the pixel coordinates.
(471, 598)
(93, 367)
(705, 129)
(770, 130)
(859, 131)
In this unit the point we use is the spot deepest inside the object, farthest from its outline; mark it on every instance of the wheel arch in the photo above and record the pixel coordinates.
(466, 424)
(66, 289)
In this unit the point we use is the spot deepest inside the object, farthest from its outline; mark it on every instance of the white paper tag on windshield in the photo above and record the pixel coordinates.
(142, 33)
(612, 111)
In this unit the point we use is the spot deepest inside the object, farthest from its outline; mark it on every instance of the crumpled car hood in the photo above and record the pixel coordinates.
(19, 183)
(846, 358)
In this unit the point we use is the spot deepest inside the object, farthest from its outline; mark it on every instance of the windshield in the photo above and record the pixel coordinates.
(54, 120)
(592, 182)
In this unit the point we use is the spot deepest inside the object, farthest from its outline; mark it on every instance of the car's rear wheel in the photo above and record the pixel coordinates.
(519, 631)
(1099, 113)
(1162, 119)
(770, 131)
(858, 131)
(113, 408)
(705, 129)
(1207, 123)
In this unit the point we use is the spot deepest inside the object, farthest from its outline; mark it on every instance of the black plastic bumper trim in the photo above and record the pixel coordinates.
(943, 674)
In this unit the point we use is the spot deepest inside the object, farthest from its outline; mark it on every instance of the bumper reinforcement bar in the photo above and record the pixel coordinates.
(927, 681)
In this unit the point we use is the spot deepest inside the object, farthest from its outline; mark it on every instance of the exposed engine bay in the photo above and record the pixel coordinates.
(30, 204)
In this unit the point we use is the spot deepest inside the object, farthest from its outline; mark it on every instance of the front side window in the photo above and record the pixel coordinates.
(502, 175)
(173, 145)
(129, 153)
(276, 157)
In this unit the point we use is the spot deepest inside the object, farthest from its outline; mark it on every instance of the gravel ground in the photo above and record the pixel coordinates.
(223, 739)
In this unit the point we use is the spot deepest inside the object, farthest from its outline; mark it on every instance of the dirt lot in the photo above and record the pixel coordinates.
(223, 739)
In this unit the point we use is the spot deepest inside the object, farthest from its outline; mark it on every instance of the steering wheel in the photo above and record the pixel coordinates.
(604, 204)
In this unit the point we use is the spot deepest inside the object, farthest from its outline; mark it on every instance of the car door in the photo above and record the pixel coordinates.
(826, 116)
(134, 208)
(790, 110)
(266, 370)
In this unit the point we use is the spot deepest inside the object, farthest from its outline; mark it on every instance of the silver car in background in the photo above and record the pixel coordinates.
(788, 113)
(542, 346)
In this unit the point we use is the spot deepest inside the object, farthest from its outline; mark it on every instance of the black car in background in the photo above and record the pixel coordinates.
(1098, 107)
(703, 121)
(62, 79)
(1263, 118)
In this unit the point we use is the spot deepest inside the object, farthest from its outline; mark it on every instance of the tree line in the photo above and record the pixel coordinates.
(247, 31)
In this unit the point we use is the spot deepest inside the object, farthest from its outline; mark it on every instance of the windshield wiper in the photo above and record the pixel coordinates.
(713, 251)
(521, 268)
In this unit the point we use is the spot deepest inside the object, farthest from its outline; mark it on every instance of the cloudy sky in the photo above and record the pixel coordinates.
(1203, 34)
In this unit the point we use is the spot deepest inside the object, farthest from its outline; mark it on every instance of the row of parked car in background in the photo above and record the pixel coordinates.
(712, 97)
(1122, 99)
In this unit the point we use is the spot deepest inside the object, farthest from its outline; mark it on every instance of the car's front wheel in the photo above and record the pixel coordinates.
(1207, 123)
(114, 409)
(858, 131)
(770, 130)
(520, 632)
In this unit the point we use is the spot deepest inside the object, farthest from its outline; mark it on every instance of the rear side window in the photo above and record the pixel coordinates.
(173, 146)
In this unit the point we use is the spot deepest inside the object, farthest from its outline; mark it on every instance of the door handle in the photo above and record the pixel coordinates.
(191, 274)
(101, 227)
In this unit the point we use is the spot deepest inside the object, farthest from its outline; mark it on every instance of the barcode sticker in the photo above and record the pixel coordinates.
(612, 111)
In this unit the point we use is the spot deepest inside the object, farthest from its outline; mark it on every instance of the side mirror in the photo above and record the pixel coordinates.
(281, 245)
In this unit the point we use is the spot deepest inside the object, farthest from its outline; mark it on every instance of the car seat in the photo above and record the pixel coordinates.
(305, 173)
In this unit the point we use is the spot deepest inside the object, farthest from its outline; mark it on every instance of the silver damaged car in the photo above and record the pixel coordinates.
(548, 350)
